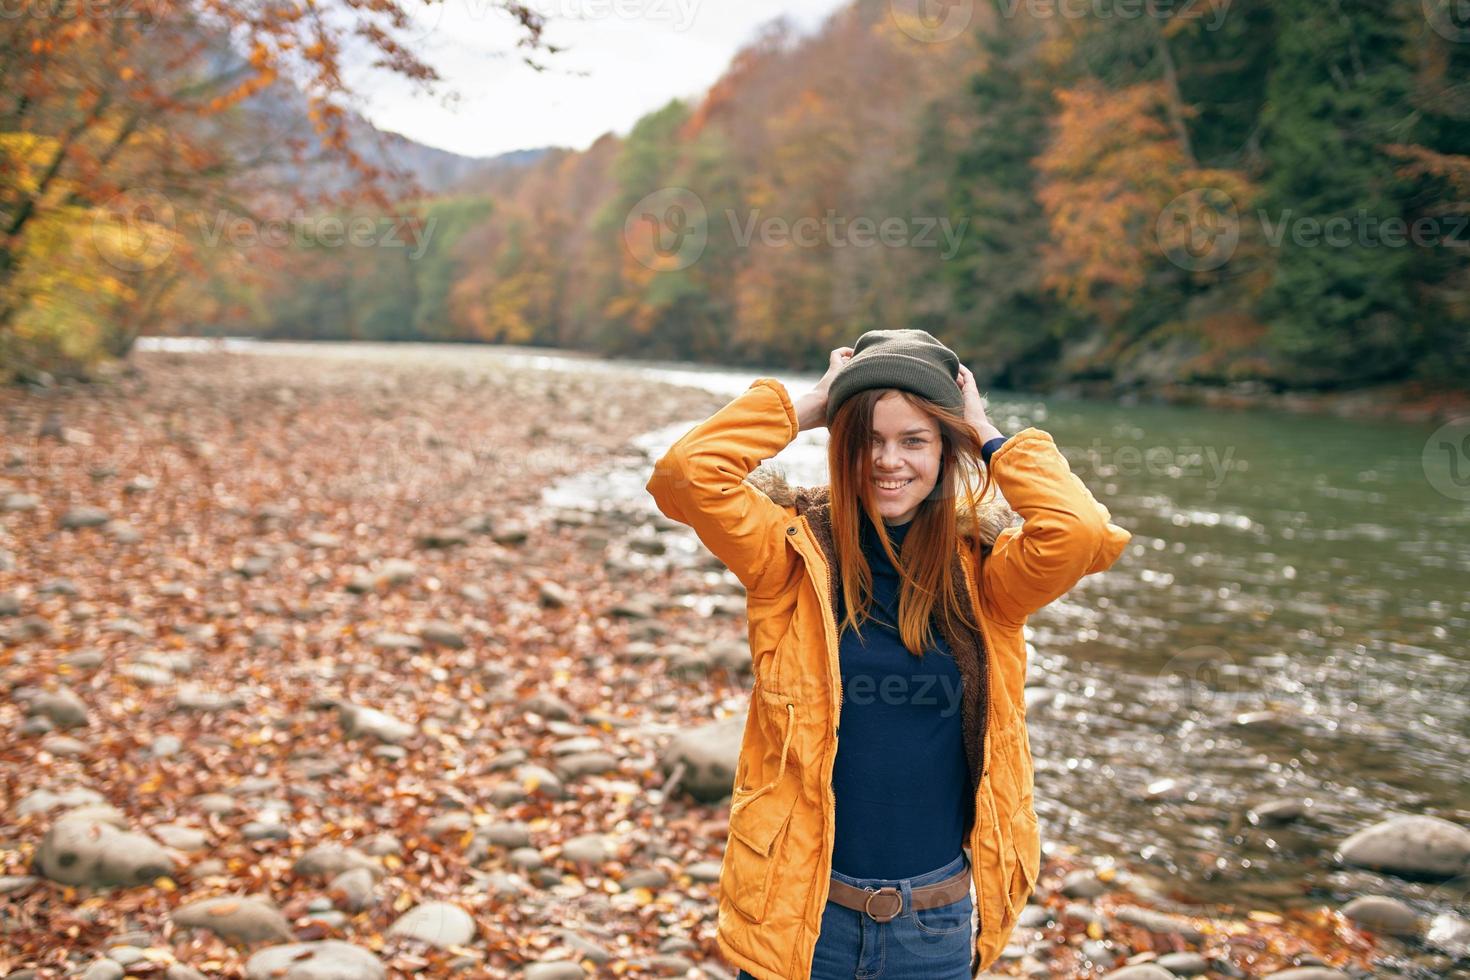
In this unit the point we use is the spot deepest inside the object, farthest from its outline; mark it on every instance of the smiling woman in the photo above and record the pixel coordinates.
(875, 829)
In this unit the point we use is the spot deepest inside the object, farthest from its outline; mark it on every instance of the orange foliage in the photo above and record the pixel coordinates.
(1112, 167)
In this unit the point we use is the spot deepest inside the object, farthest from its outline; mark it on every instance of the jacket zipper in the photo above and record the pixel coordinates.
(833, 670)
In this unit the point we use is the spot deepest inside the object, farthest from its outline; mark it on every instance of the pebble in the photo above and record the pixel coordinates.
(62, 707)
(236, 919)
(329, 959)
(1410, 845)
(440, 924)
(1379, 913)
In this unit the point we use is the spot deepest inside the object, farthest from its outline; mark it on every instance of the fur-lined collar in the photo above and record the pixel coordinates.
(992, 516)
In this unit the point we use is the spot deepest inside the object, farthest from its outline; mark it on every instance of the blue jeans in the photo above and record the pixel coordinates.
(920, 944)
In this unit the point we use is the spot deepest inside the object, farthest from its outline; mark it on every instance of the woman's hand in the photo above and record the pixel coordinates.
(811, 408)
(975, 405)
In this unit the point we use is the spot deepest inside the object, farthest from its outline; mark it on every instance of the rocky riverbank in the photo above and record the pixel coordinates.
(295, 668)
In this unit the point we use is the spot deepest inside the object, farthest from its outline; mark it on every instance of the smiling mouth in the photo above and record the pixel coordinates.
(891, 486)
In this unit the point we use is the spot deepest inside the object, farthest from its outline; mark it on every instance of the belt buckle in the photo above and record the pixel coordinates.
(887, 890)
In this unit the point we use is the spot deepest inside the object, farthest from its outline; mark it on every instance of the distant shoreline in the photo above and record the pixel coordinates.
(1410, 402)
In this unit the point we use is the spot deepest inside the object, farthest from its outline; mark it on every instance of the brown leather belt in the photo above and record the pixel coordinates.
(886, 904)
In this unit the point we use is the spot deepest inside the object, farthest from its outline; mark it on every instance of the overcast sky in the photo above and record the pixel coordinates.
(636, 55)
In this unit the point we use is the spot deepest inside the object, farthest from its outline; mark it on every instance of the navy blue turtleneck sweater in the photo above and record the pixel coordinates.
(900, 778)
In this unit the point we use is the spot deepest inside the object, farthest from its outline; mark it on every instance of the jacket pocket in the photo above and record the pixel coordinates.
(759, 819)
(1026, 844)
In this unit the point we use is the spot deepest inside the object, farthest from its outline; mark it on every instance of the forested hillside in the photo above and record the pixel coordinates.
(1102, 197)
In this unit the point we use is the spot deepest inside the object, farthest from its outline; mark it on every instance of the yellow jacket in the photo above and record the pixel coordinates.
(775, 874)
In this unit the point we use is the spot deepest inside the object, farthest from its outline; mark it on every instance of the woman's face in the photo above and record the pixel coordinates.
(906, 449)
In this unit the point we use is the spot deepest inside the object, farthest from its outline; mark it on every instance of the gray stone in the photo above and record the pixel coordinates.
(62, 707)
(104, 970)
(236, 919)
(1184, 964)
(329, 959)
(1140, 971)
(440, 924)
(1276, 812)
(126, 954)
(41, 800)
(361, 720)
(86, 658)
(64, 745)
(217, 803)
(389, 640)
(16, 883)
(554, 970)
(148, 675)
(1379, 913)
(1160, 922)
(709, 753)
(355, 887)
(586, 764)
(165, 746)
(178, 971)
(1083, 883)
(1409, 845)
(180, 837)
(1308, 973)
(548, 706)
(265, 830)
(82, 850)
(525, 857)
(703, 871)
(554, 597)
(396, 571)
(85, 517)
(442, 634)
(651, 878)
(333, 859)
(587, 849)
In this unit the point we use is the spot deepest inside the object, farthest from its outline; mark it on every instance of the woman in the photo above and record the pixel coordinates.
(887, 606)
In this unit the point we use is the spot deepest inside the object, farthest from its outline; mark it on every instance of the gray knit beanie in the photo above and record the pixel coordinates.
(908, 359)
